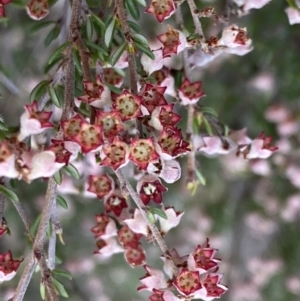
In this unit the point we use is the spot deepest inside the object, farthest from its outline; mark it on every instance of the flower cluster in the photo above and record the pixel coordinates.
(197, 277)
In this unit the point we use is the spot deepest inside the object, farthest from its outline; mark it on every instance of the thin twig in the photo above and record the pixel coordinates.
(194, 12)
(131, 56)
(155, 232)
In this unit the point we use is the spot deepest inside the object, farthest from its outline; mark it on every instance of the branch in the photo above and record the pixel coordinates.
(197, 23)
(131, 56)
(155, 232)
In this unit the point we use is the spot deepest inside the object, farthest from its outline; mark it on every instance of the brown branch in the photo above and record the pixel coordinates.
(131, 56)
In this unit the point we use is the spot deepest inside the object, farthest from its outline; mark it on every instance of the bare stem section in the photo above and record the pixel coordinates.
(194, 12)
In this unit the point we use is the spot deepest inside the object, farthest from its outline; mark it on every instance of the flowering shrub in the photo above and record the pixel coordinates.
(123, 119)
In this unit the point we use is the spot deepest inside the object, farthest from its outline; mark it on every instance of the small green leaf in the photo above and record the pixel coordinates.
(59, 288)
(109, 32)
(210, 111)
(141, 2)
(42, 291)
(38, 90)
(89, 28)
(48, 67)
(97, 20)
(145, 49)
(133, 9)
(158, 211)
(62, 273)
(207, 126)
(37, 26)
(54, 97)
(57, 52)
(57, 177)
(35, 225)
(77, 60)
(151, 217)
(117, 54)
(62, 202)
(200, 177)
(96, 47)
(134, 26)
(9, 193)
(72, 170)
(3, 127)
(140, 39)
(52, 35)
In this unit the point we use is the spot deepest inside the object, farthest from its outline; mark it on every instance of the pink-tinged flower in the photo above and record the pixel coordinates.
(2, 10)
(187, 282)
(293, 15)
(163, 295)
(173, 41)
(137, 224)
(154, 279)
(107, 247)
(214, 145)
(170, 144)
(170, 172)
(33, 121)
(180, 262)
(116, 154)
(202, 259)
(8, 266)
(260, 148)
(249, 4)
(149, 188)
(7, 161)
(128, 105)
(189, 93)
(163, 116)
(89, 137)
(97, 94)
(150, 65)
(277, 113)
(142, 152)
(43, 165)
(135, 256)
(101, 185)
(172, 221)
(71, 127)
(105, 227)
(164, 79)
(37, 9)
(235, 37)
(128, 238)
(161, 9)
(213, 288)
(61, 153)
(152, 96)
(113, 78)
(3, 227)
(115, 202)
(110, 122)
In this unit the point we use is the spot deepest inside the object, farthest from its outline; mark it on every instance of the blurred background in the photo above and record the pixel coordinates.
(250, 210)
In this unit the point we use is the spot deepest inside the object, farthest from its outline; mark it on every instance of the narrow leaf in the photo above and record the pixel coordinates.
(57, 177)
(89, 28)
(62, 273)
(141, 2)
(37, 26)
(200, 177)
(57, 52)
(210, 111)
(133, 9)
(134, 26)
(72, 170)
(140, 39)
(59, 288)
(42, 291)
(54, 97)
(9, 193)
(158, 211)
(35, 225)
(62, 202)
(145, 49)
(117, 54)
(97, 20)
(52, 35)
(38, 90)
(109, 32)
(207, 126)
